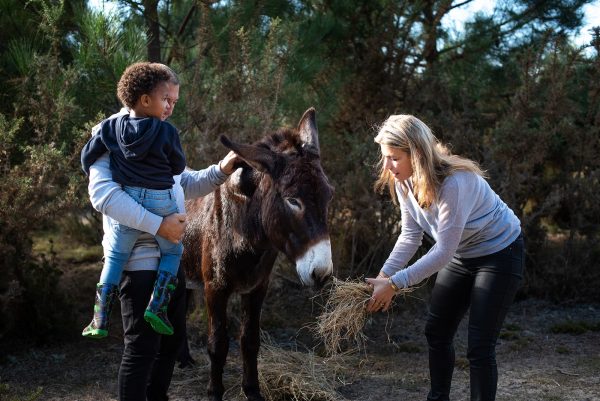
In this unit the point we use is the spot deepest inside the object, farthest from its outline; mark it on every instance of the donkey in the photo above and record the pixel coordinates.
(276, 201)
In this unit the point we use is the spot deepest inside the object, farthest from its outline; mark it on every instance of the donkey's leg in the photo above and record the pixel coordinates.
(251, 305)
(218, 341)
(184, 356)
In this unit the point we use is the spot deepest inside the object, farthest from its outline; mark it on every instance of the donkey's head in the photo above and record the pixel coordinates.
(290, 195)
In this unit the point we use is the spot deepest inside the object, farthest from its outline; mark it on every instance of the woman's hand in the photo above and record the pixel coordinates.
(383, 293)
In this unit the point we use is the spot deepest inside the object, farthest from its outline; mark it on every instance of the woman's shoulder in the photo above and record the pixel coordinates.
(462, 181)
(461, 177)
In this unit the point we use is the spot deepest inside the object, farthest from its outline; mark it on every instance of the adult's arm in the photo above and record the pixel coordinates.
(409, 240)
(453, 213)
(197, 183)
(108, 198)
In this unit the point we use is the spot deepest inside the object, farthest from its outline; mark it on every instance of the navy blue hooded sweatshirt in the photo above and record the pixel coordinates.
(144, 152)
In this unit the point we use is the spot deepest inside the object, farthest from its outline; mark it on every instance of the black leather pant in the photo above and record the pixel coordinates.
(487, 285)
(148, 358)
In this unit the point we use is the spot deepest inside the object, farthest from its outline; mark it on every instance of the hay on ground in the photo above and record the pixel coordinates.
(296, 376)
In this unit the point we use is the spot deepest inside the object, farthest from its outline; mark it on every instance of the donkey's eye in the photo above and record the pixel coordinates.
(294, 204)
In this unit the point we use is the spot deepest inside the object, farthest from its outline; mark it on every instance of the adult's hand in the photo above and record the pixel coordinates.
(172, 227)
(227, 165)
(382, 294)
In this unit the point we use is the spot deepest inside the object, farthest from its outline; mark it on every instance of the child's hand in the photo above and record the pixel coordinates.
(227, 165)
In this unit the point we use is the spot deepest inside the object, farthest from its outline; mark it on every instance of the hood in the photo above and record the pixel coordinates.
(135, 136)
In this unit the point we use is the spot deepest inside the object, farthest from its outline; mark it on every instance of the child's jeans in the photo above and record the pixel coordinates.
(120, 239)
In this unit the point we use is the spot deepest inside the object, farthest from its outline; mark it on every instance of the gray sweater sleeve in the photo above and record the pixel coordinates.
(198, 183)
(452, 216)
(109, 198)
(409, 240)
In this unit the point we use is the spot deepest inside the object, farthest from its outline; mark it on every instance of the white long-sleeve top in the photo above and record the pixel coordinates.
(468, 220)
(108, 198)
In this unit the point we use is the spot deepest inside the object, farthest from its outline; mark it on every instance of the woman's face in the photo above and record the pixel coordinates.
(397, 162)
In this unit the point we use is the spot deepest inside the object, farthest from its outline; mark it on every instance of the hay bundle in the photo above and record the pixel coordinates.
(296, 376)
(344, 315)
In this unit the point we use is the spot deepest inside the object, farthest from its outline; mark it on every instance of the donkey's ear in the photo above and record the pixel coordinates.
(259, 158)
(307, 128)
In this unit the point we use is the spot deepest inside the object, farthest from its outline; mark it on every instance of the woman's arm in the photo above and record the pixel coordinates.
(406, 246)
(453, 212)
(451, 223)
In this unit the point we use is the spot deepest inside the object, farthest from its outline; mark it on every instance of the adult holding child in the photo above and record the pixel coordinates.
(145, 154)
(148, 357)
(478, 253)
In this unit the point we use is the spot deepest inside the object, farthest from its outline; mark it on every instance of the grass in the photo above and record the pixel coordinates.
(592, 363)
(30, 396)
(561, 349)
(461, 363)
(51, 244)
(520, 343)
(575, 327)
(408, 347)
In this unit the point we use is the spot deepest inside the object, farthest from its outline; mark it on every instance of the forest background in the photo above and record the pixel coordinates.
(511, 90)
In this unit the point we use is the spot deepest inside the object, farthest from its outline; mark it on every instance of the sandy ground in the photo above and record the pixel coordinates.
(534, 362)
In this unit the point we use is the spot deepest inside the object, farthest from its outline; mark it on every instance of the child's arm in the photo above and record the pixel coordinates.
(92, 150)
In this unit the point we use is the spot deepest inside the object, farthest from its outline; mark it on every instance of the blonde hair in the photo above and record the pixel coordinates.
(431, 161)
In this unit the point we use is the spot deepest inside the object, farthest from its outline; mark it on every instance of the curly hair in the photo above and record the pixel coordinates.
(141, 79)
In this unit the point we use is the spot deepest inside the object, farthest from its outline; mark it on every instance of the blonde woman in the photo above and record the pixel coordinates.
(478, 253)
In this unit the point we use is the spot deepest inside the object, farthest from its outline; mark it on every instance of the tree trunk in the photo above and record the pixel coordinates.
(153, 29)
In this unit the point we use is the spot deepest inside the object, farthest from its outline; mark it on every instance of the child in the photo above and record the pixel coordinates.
(145, 154)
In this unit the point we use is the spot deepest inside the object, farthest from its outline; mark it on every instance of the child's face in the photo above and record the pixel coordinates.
(161, 101)
(172, 98)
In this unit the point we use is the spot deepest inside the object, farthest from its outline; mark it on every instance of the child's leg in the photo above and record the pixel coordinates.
(162, 203)
(156, 312)
(166, 281)
(170, 255)
(105, 298)
(118, 243)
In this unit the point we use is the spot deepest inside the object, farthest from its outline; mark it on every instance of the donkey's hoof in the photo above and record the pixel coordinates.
(212, 396)
(186, 361)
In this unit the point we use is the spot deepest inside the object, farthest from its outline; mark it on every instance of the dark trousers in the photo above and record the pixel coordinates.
(487, 285)
(148, 358)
